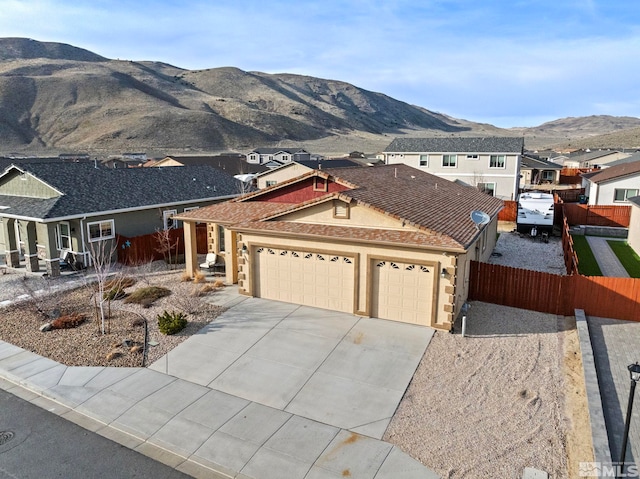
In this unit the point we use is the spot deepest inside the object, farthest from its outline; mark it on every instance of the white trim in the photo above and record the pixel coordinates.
(101, 238)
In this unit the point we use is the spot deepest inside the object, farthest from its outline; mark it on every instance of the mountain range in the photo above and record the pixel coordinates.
(56, 97)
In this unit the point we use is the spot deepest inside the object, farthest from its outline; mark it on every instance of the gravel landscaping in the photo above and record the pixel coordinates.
(508, 395)
(85, 345)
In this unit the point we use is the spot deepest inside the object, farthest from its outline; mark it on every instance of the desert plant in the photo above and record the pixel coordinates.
(199, 277)
(185, 277)
(147, 295)
(68, 321)
(171, 322)
(218, 283)
(120, 282)
(114, 293)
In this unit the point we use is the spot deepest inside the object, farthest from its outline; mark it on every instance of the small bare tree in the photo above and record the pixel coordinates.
(102, 254)
(166, 246)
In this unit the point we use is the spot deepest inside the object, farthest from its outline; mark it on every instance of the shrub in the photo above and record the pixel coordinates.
(171, 322)
(122, 283)
(114, 293)
(199, 277)
(68, 321)
(185, 278)
(146, 296)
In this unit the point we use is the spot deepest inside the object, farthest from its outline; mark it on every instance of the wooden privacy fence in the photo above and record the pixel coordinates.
(569, 252)
(606, 297)
(593, 215)
(146, 248)
(509, 212)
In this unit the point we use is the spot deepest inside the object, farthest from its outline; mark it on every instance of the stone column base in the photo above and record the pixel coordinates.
(32, 263)
(53, 268)
(12, 258)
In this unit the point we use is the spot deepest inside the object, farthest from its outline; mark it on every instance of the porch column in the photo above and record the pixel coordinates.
(190, 248)
(47, 235)
(231, 256)
(12, 252)
(28, 233)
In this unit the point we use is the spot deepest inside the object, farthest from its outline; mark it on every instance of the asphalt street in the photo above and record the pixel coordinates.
(35, 443)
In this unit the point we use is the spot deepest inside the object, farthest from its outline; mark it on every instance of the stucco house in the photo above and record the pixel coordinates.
(634, 224)
(613, 185)
(296, 168)
(47, 208)
(594, 158)
(391, 242)
(536, 173)
(280, 155)
(491, 164)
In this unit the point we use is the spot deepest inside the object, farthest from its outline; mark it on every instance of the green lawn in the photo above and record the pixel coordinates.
(587, 264)
(629, 259)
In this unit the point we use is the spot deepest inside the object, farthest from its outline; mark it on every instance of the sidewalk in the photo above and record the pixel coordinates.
(197, 429)
(607, 260)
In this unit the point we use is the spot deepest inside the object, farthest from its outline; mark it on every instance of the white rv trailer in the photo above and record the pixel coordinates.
(535, 210)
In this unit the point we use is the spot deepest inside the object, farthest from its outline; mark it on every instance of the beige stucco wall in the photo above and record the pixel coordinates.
(282, 174)
(634, 229)
(468, 171)
(359, 216)
(364, 255)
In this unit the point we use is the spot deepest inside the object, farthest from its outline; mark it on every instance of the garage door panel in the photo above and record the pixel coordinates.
(302, 277)
(402, 292)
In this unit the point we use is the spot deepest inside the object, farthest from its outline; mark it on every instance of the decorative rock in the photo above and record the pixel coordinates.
(113, 355)
(136, 349)
(153, 343)
(46, 327)
(127, 343)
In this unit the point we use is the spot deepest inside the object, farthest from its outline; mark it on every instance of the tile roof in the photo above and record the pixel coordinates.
(490, 144)
(377, 235)
(419, 198)
(438, 208)
(635, 200)
(614, 172)
(90, 190)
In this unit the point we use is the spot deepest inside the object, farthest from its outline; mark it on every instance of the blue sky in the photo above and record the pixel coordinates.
(508, 63)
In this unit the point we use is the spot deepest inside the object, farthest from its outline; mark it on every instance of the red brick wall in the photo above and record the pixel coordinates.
(300, 192)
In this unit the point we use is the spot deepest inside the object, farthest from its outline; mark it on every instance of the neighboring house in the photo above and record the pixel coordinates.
(594, 159)
(535, 173)
(281, 155)
(232, 164)
(46, 208)
(391, 242)
(491, 164)
(612, 185)
(297, 168)
(629, 159)
(634, 224)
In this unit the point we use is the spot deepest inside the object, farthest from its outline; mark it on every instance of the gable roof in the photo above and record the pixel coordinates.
(334, 163)
(438, 208)
(87, 190)
(629, 159)
(273, 151)
(490, 144)
(613, 172)
(528, 162)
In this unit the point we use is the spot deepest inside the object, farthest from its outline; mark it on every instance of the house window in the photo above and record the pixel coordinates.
(621, 194)
(497, 161)
(472, 157)
(63, 235)
(319, 184)
(548, 175)
(424, 160)
(221, 247)
(101, 230)
(269, 183)
(167, 220)
(340, 210)
(449, 161)
(488, 188)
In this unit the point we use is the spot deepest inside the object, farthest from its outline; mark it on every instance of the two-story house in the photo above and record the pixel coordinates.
(261, 156)
(491, 164)
(612, 185)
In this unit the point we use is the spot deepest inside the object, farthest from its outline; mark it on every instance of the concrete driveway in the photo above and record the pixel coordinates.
(334, 368)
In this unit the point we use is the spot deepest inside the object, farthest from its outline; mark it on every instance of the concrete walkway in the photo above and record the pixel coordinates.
(268, 352)
(615, 346)
(607, 260)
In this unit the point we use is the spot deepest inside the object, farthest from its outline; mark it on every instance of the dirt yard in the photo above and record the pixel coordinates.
(508, 395)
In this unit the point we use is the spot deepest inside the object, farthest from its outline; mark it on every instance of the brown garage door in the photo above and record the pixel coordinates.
(305, 277)
(402, 292)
